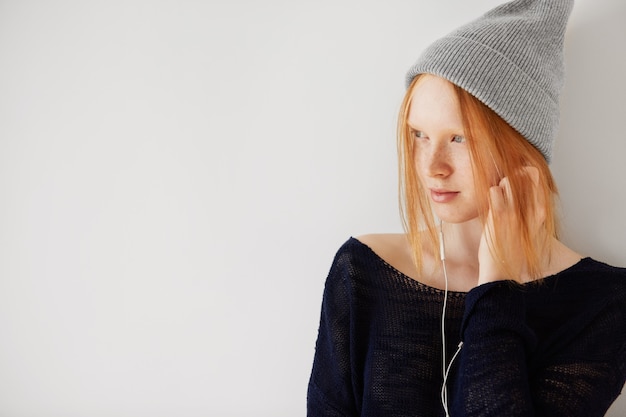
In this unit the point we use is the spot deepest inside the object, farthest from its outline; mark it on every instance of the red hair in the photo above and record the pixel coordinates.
(492, 142)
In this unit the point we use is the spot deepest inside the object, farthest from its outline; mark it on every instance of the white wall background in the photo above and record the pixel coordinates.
(175, 177)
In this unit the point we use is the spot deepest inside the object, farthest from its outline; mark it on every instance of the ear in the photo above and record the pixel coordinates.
(538, 199)
(532, 172)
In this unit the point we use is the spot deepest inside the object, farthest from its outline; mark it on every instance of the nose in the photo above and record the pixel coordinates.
(436, 162)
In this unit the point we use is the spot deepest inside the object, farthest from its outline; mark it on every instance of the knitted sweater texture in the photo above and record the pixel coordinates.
(555, 347)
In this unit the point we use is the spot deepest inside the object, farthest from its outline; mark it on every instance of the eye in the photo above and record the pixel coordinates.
(458, 139)
(418, 134)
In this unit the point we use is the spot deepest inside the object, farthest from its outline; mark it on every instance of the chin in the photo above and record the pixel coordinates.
(456, 217)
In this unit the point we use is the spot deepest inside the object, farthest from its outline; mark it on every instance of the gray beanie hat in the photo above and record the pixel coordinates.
(511, 59)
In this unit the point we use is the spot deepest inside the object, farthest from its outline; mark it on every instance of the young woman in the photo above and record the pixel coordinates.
(479, 309)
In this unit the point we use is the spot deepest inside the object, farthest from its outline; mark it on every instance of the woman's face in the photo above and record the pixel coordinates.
(441, 154)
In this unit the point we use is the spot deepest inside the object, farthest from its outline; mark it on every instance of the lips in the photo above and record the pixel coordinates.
(442, 196)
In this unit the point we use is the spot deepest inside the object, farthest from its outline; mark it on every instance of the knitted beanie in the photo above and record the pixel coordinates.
(511, 59)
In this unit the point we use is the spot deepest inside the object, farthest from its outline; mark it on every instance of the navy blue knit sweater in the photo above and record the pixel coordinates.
(555, 347)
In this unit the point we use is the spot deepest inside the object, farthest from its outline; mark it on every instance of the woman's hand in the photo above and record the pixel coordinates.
(499, 230)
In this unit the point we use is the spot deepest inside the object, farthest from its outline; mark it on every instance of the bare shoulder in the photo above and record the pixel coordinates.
(383, 242)
(393, 248)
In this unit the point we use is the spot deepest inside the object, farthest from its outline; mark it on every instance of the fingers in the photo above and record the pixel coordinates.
(501, 202)
(500, 196)
(506, 192)
(505, 218)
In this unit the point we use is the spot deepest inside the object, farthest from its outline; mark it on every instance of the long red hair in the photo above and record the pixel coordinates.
(492, 142)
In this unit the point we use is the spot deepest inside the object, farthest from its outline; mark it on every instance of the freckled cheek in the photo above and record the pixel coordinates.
(416, 160)
(481, 199)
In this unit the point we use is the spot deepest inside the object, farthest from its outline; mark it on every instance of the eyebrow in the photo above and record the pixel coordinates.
(458, 129)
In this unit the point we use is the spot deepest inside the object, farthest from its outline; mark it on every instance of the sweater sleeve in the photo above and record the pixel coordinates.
(330, 391)
(495, 377)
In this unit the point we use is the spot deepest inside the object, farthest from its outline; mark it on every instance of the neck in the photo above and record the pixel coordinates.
(462, 241)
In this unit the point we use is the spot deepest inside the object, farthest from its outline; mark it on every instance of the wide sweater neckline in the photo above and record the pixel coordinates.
(545, 280)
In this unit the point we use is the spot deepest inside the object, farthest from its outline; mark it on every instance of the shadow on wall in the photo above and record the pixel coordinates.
(589, 162)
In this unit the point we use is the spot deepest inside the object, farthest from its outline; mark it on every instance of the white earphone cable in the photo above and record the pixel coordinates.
(445, 366)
